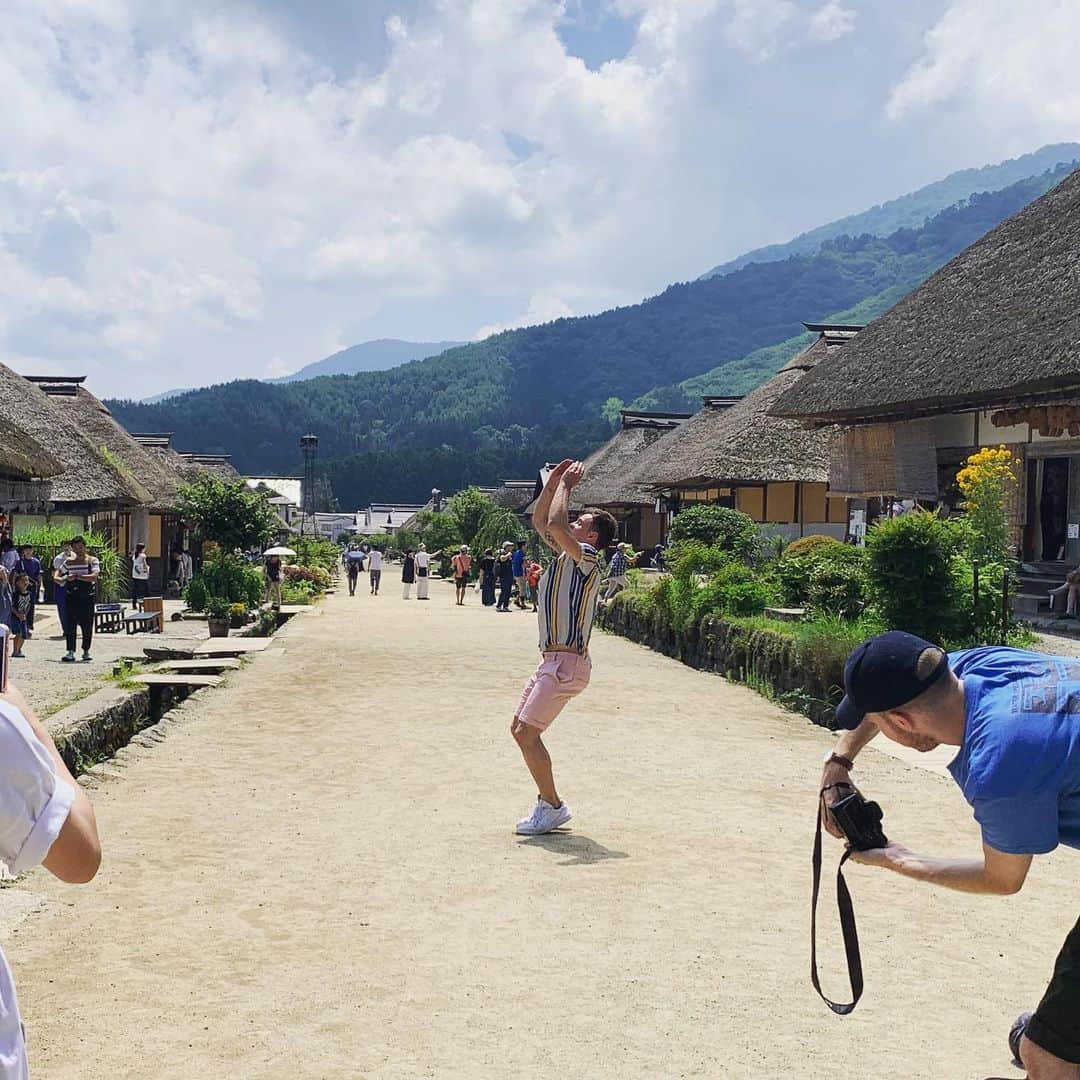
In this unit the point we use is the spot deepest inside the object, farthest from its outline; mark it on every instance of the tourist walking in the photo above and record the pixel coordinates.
(273, 580)
(620, 564)
(462, 564)
(140, 575)
(8, 555)
(29, 565)
(22, 603)
(504, 572)
(58, 578)
(374, 565)
(423, 565)
(354, 563)
(187, 566)
(81, 572)
(487, 578)
(533, 575)
(1012, 715)
(408, 574)
(45, 818)
(567, 606)
(517, 561)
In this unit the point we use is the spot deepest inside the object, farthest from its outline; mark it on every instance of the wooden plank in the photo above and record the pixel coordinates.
(178, 680)
(237, 646)
(167, 652)
(207, 663)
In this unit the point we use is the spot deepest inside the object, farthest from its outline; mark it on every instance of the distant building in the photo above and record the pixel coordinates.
(385, 518)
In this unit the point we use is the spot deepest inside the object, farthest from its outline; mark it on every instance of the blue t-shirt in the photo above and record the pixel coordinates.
(519, 563)
(1019, 765)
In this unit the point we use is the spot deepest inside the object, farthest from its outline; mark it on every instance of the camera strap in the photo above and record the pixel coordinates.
(847, 923)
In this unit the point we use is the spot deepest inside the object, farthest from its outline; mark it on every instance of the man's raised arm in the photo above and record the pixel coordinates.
(543, 504)
(558, 532)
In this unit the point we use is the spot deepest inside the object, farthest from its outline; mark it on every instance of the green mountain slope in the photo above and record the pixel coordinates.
(912, 211)
(527, 394)
(369, 356)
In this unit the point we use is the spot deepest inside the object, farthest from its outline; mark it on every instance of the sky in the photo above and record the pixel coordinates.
(193, 191)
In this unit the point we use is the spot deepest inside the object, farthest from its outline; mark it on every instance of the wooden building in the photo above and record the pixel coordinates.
(734, 453)
(985, 352)
(608, 482)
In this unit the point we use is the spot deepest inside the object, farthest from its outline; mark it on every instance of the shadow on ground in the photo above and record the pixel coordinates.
(581, 849)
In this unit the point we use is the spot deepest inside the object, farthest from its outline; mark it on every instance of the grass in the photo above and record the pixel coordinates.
(124, 675)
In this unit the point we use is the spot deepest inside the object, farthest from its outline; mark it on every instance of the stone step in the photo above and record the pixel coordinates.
(230, 646)
(205, 663)
(1026, 603)
(183, 679)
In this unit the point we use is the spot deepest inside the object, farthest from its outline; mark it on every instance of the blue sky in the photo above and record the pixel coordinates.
(195, 192)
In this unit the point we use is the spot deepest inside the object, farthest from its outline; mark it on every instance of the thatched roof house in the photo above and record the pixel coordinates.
(734, 453)
(998, 325)
(86, 478)
(147, 481)
(986, 351)
(22, 457)
(609, 471)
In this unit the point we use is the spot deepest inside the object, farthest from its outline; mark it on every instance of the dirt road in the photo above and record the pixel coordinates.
(314, 875)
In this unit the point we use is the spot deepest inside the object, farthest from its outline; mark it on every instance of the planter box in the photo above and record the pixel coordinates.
(218, 627)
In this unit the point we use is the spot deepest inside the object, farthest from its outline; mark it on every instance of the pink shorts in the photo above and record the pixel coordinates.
(560, 677)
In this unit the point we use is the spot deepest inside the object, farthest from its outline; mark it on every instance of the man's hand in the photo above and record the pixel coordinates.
(573, 475)
(833, 773)
(556, 475)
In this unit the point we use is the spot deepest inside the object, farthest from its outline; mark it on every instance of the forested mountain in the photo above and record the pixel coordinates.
(502, 405)
(911, 211)
(375, 355)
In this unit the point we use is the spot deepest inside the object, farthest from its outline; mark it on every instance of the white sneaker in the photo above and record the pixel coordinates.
(543, 819)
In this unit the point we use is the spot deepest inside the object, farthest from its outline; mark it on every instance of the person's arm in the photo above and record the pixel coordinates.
(93, 570)
(75, 855)
(558, 532)
(847, 746)
(997, 873)
(543, 504)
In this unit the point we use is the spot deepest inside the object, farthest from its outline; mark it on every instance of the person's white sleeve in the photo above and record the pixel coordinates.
(34, 801)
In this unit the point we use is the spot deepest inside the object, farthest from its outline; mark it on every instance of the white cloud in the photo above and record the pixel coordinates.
(832, 22)
(1012, 66)
(543, 308)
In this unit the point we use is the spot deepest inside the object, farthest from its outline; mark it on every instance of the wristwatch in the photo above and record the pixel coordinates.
(847, 763)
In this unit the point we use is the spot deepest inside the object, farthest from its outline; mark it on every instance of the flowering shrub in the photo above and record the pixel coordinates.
(985, 481)
(314, 575)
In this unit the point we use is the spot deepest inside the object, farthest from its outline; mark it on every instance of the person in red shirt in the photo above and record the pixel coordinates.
(532, 574)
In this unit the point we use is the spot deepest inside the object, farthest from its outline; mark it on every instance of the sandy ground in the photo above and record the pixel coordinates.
(50, 685)
(314, 875)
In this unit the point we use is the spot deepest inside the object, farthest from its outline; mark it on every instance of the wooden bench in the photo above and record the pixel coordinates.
(108, 618)
(140, 622)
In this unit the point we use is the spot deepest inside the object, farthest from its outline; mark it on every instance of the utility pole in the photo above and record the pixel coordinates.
(309, 447)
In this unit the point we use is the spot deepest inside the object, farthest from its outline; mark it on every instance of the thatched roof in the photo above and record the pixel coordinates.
(85, 475)
(22, 456)
(742, 442)
(147, 481)
(608, 470)
(513, 494)
(1000, 324)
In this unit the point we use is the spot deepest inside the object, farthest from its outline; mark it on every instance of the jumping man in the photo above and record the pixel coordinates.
(567, 605)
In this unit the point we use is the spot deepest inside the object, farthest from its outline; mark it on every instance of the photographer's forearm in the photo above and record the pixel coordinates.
(559, 510)
(962, 875)
(851, 742)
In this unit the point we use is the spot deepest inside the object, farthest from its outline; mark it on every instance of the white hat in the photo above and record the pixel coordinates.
(508, 543)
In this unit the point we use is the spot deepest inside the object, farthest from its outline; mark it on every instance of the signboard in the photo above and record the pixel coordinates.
(1074, 531)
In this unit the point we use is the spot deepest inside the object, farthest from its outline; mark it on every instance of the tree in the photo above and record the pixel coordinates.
(439, 532)
(468, 508)
(985, 481)
(611, 409)
(229, 513)
(496, 527)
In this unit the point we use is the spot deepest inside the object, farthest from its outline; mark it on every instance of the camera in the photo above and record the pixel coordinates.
(859, 821)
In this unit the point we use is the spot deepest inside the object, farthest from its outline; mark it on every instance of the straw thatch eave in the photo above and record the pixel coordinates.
(743, 443)
(146, 481)
(22, 457)
(608, 470)
(999, 323)
(86, 478)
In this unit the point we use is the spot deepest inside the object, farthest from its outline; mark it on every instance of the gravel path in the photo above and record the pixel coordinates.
(314, 875)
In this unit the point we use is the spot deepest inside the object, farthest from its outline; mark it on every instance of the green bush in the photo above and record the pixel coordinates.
(910, 575)
(297, 592)
(806, 545)
(837, 583)
(225, 577)
(716, 526)
(314, 551)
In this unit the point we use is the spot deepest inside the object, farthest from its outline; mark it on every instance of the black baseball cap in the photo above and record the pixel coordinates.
(882, 674)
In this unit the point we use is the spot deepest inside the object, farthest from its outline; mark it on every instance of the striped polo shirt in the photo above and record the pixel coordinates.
(566, 601)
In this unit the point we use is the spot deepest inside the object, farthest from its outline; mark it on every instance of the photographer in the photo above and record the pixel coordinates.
(1013, 716)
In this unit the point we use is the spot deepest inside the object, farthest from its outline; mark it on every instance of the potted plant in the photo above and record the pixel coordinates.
(217, 616)
(237, 615)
